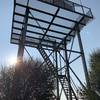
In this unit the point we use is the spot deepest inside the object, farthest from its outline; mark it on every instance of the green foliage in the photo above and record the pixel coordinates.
(94, 75)
(89, 95)
(26, 81)
(95, 70)
(6, 78)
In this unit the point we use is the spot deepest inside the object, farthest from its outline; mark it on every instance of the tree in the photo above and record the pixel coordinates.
(6, 78)
(95, 70)
(26, 81)
(94, 75)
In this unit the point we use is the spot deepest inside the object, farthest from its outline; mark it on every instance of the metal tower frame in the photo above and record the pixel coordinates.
(51, 26)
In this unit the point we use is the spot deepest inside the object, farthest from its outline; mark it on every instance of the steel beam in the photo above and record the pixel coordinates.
(84, 62)
(22, 39)
(67, 71)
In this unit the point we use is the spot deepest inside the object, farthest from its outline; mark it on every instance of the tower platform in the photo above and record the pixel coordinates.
(48, 21)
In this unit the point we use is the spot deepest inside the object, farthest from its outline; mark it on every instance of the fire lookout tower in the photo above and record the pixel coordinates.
(51, 26)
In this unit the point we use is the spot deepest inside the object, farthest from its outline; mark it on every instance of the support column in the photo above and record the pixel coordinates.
(83, 59)
(67, 71)
(57, 77)
(84, 65)
(22, 39)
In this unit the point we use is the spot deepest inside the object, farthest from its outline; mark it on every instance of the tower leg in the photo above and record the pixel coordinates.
(67, 71)
(22, 38)
(57, 77)
(84, 64)
(20, 53)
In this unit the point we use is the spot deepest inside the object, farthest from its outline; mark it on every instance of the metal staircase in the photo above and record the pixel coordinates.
(62, 78)
(64, 82)
(47, 60)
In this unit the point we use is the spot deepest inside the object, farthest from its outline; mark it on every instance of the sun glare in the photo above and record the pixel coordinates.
(12, 61)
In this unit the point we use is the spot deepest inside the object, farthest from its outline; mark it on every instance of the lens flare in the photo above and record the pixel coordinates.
(12, 61)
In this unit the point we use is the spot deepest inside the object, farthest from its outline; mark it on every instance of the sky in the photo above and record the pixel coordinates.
(90, 34)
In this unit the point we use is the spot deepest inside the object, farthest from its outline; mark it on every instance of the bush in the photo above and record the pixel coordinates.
(26, 81)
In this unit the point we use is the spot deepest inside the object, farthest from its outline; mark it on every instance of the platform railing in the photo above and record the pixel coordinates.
(71, 6)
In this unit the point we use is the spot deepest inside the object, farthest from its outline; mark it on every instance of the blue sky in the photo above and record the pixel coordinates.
(90, 34)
